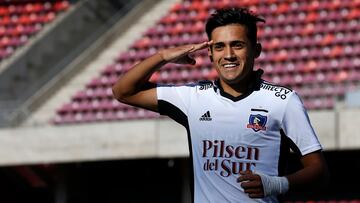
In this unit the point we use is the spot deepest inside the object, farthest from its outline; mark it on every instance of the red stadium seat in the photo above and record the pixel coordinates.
(60, 6)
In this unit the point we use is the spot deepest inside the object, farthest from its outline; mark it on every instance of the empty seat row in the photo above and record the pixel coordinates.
(101, 116)
(347, 11)
(267, 7)
(297, 28)
(19, 30)
(311, 65)
(32, 7)
(27, 19)
(12, 42)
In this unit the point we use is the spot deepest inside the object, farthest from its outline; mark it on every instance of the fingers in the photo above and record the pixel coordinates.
(186, 59)
(251, 183)
(180, 55)
(189, 49)
(247, 176)
(195, 47)
(202, 45)
(254, 192)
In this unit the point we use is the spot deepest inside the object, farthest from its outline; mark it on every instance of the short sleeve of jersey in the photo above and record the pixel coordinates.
(174, 101)
(297, 126)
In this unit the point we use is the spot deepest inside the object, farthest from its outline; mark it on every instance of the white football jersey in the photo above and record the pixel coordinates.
(231, 134)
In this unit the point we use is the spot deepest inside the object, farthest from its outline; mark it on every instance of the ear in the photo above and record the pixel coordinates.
(258, 49)
(210, 54)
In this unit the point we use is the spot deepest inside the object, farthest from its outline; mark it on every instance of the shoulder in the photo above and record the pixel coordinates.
(277, 91)
(187, 89)
(203, 84)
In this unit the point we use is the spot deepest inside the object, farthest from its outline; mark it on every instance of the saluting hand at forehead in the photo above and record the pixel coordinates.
(180, 54)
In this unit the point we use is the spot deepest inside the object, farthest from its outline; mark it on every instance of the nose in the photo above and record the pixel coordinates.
(229, 54)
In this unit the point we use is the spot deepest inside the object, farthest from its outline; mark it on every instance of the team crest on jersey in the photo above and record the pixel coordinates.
(257, 122)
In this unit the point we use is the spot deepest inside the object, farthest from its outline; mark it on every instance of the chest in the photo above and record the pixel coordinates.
(250, 119)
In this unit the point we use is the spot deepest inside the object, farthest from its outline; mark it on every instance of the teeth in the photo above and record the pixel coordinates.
(229, 65)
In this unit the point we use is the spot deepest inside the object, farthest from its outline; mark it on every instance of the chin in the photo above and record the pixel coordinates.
(233, 80)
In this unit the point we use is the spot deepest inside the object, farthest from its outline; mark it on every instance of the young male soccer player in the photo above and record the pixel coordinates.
(240, 127)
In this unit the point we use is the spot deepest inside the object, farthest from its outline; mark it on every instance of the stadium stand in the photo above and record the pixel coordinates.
(22, 23)
(308, 47)
(20, 20)
(48, 54)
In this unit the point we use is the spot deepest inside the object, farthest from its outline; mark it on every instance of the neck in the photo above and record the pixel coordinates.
(236, 89)
(241, 87)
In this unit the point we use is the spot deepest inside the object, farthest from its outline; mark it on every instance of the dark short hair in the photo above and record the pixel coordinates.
(229, 16)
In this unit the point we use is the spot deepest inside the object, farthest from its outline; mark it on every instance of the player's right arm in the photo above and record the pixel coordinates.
(134, 88)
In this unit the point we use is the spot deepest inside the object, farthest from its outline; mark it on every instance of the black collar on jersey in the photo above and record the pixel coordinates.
(253, 86)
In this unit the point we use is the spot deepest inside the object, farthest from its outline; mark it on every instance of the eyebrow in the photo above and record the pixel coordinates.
(238, 41)
(231, 42)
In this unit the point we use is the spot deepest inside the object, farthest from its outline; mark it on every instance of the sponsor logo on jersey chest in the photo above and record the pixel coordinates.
(228, 159)
(280, 92)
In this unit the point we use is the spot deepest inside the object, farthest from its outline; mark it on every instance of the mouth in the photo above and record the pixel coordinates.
(230, 65)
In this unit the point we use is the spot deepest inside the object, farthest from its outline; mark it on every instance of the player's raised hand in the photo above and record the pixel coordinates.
(251, 183)
(180, 54)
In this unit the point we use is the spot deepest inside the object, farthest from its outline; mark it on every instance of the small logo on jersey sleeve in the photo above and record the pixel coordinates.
(257, 122)
(205, 84)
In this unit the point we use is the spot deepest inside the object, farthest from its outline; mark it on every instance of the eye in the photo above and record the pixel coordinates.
(238, 45)
(218, 47)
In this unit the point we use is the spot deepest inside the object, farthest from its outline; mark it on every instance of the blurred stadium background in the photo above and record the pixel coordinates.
(64, 139)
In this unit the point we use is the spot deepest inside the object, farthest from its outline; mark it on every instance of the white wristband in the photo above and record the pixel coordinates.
(274, 185)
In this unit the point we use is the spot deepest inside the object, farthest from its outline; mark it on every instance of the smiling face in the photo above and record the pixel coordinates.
(233, 54)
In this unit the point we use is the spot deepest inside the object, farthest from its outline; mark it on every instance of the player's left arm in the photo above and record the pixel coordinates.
(314, 173)
(297, 127)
